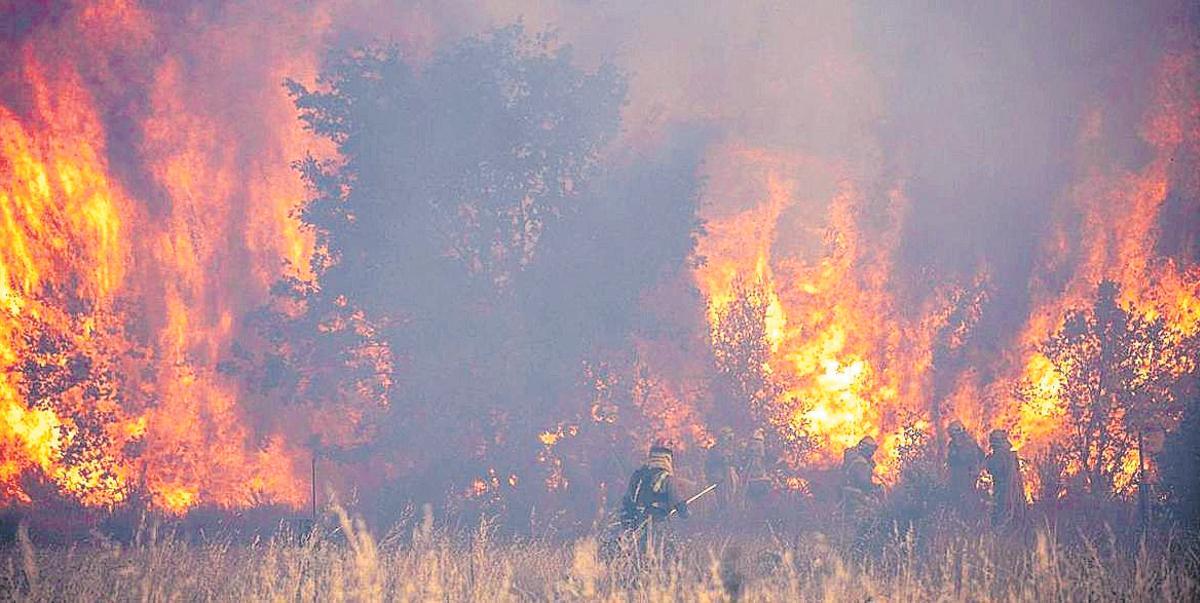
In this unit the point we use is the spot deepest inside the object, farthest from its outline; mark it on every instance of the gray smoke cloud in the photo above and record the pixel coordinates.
(976, 110)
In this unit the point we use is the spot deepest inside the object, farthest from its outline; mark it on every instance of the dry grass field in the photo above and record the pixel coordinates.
(423, 562)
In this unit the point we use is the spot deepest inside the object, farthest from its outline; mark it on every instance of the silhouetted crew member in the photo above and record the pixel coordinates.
(861, 497)
(964, 462)
(1008, 490)
(758, 483)
(651, 498)
(720, 467)
(860, 493)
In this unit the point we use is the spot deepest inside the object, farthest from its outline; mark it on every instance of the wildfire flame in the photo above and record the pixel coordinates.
(1120, 212)
(139, 289)
(851, 365)
(854, 364)
(146, 208)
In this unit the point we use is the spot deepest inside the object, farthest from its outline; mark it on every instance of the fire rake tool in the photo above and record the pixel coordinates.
(694, 498)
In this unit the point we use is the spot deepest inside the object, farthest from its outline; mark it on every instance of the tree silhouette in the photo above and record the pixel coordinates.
(741, 348)
(448, 177)
(470, 223)
(746, 385)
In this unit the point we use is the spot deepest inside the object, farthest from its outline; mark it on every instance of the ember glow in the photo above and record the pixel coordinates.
(149, 204)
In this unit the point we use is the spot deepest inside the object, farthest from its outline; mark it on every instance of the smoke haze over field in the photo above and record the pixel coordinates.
(507, 262)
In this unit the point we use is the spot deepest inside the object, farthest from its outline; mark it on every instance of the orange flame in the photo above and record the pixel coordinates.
(1120, 210)
(149, 289)
(128, 291)
(850, 364)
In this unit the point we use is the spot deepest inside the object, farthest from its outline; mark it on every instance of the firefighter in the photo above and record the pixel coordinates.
(860, 493)
(651, 499)
(720, 468)
(758, 483)
(1008, 490)
(861, 496)
(964, 463)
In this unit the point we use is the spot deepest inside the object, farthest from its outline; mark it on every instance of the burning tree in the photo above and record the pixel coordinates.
(1119, 370)
(322, 355)
(742, 350)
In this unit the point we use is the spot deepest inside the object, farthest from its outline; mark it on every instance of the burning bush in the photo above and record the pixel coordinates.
(1119, 372)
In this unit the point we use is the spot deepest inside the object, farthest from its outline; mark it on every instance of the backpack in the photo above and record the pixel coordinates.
(648, 495)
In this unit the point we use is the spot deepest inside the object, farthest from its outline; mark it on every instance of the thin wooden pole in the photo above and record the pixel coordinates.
(1143, 495)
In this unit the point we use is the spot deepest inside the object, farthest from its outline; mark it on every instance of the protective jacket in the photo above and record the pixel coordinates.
(651, 494)
(1008, 489)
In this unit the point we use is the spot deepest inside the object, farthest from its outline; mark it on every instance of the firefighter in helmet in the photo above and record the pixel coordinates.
(964, 462)
(860, 494)
(720, 467)
(652, 497)
(758, 483)
(1008, 489)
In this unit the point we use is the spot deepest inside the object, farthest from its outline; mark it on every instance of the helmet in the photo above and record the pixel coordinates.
(868, 444)
(759, 434)
(998, 436)
(726, 433)
(956, 427)
(662, 445)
